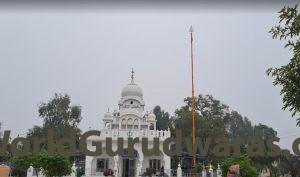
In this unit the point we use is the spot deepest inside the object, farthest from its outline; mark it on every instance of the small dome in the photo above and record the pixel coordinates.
(151, 116)
(108, 115)
(132, 90)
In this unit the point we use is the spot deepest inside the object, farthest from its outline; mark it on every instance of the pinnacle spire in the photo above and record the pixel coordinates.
(191, 29)
(132, 76)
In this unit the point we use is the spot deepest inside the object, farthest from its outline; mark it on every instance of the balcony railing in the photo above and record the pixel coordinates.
(116, 133)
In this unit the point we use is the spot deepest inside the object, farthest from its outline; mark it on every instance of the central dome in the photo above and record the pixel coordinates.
(132, 90)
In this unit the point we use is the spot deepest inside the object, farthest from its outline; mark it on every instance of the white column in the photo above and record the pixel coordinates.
(210, 170)
(41, 172)
(179, 171)
(166, 160)
(219, 171)
(30, 171)
(167, 164)
(140, 160)
(138, 169)
(116, 166)
(88, 165)
(73, 173)
(203, 172)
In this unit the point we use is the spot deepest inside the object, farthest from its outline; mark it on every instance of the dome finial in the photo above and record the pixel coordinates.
(191, 29)
(132, 76)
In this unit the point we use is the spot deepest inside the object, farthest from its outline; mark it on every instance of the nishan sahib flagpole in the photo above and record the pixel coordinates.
(193, 97)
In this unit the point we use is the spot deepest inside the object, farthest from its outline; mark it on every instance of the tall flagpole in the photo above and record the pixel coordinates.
(193, 98)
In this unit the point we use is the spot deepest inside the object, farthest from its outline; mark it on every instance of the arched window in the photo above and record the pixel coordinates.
(151, 126)
(136, 124)
(20, 146)
(129, 123)
(107, 125)
(123, 124)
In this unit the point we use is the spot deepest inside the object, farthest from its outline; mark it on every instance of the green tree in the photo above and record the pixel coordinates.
(197, 168)
(24, 162)
(52, 165)
(212, 120)
(288, 76)
(289, 164)
(212, 117)
(36, 131)
(264, 133)
(215, 119)
(239, 126)
(163, 121)
(246, 168)
(55, 165)
(57, 114)
(7, 155)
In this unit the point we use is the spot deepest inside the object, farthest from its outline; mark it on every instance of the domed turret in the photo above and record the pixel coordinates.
(108, 119)
(132, 90)
(151, 117)
(108, 116)
(131, 101)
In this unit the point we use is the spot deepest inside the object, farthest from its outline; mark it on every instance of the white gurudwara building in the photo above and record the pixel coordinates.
(129, 121)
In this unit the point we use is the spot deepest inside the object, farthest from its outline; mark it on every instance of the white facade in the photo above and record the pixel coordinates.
(129, 121)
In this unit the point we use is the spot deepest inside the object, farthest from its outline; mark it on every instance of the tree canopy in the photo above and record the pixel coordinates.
(288, 76)
(57, 114)
(163, 119)
(290, 164)
(55, 165)
(215, 119)
(51, 165)
(58, 111)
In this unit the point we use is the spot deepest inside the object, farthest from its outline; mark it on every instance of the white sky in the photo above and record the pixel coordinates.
(89, 55)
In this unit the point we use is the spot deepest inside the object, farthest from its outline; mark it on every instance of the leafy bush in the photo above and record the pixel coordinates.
(150, 171)
(108, 172)
(52, 165)
(79, 172)
(246, 168)
(274, 171)
(16, 171)
(197, 168)
(55, 165)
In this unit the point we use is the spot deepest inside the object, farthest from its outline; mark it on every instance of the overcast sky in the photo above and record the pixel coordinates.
(89, 55)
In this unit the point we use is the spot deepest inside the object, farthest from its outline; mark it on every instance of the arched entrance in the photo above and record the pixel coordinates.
(129, 164)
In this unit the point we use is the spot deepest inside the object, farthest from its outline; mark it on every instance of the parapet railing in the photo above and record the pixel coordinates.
(161, 134)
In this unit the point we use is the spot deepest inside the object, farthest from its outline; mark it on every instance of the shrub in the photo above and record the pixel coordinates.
(274, 171)
(150, 171)
(246, 168)
(108, 172)
(197, 168)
